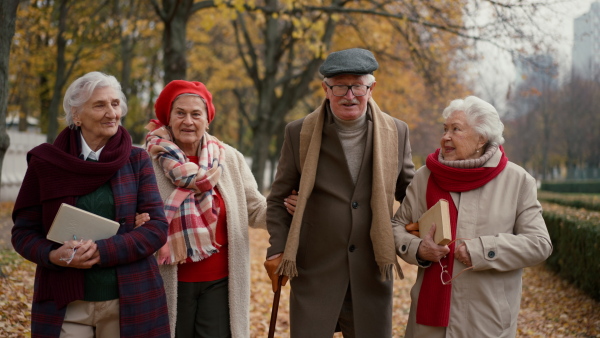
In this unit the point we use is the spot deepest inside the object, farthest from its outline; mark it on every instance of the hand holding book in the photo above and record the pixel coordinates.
(80, 254)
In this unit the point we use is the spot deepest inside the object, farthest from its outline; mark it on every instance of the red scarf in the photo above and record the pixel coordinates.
(433, 308)
(55, 175)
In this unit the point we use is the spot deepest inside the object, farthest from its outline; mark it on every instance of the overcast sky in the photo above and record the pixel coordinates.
(495, 72)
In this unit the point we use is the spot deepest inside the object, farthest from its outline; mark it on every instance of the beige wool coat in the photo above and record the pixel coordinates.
(503, 220)
(245, 206)
(335, 250)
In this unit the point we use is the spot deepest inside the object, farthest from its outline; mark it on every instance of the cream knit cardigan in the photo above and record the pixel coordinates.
(245, 206)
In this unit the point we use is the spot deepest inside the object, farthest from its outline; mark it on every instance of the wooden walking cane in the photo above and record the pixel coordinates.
(275, 308)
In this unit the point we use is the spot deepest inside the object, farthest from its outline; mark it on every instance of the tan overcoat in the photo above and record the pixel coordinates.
(335, 250)
(503, 220)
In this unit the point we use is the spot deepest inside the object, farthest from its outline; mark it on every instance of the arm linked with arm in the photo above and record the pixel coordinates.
(256, 204)
(286, 180)
(407, 167)
(146, 239)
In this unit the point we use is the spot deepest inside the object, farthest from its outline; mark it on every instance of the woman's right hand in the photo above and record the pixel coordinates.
(141, 219)
(290, 202)
(76, 254)
(429, 251)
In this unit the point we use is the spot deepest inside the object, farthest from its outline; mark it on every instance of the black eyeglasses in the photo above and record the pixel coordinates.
(341, 90)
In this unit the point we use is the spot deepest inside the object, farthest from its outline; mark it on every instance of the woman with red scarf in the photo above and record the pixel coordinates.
(471, 287)
(110, 287)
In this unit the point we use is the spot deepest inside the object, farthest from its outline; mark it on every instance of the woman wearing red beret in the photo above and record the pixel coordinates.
(210, 198)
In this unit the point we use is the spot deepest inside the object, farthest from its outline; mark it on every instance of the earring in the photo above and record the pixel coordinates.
(78, 123)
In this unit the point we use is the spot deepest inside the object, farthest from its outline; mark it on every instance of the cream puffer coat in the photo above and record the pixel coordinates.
(245, 206)
(503, 220)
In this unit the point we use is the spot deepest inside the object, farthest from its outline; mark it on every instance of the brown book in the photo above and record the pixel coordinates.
(439, 214)
(73, 223)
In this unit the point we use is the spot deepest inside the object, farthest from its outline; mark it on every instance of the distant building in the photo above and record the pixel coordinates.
(539, 70)
(586, 43)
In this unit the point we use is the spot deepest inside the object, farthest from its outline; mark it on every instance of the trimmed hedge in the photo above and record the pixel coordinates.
(588, 186)
(586, 201)
(576, 254)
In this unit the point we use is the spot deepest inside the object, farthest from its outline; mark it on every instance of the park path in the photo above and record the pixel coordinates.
(550, 307)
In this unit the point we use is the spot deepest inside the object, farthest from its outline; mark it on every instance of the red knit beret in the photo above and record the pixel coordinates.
(164, 102)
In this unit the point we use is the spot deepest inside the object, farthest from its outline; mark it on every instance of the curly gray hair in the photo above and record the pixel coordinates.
(81, 90)
(481, 115)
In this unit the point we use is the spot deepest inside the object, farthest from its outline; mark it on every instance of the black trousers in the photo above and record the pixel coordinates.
(346, 321)
(203, 310)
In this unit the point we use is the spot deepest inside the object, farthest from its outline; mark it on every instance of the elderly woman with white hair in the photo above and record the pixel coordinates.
(472, 286)
(110, 287)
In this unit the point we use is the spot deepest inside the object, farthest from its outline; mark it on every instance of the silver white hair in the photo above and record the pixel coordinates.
(369, 78)
(481, 115)
(80, 91)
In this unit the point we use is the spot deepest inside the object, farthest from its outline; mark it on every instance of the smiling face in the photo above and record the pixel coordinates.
(99, 117)
(188, 122)
(460, 141)
(348, 107)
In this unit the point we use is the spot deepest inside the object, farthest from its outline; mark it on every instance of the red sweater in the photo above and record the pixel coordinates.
(216, 266)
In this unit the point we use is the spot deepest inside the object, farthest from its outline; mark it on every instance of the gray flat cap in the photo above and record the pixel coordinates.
(355, 61)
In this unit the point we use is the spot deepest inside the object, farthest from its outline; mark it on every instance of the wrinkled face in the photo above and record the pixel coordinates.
(100, 116)
(460, 141)
(348, 107)
(188, 122)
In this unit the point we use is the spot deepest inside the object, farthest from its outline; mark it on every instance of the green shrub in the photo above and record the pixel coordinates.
(586, 201)
(575, 237)
(588, 186)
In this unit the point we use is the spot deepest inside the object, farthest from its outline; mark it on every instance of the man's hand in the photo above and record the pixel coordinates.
(429, 251)
(271, 264)
(413, 229)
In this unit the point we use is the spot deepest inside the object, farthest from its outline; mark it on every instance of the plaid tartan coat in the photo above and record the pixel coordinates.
(143, 308)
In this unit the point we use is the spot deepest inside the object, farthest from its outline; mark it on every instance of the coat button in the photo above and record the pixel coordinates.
(352, 248)
(122, 221)
(491, 254)
(355, 205)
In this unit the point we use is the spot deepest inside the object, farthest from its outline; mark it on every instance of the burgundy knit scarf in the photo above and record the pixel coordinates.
(433, 307)
(57, 175)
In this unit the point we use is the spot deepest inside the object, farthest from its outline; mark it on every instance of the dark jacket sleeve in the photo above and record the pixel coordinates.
(286, 180)
(137, 193)
(406, 168)
(28, 234)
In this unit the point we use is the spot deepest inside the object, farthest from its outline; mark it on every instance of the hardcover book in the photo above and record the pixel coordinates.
(73, 223)
(439, 214)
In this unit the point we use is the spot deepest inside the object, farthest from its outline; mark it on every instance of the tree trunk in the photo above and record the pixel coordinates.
(174, 38)
(8, 15)
(61, 44)
(260, 152)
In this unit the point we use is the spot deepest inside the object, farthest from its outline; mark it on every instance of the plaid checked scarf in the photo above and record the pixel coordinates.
(191, 210)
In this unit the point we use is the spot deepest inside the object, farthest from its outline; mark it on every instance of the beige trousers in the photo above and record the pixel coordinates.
(91, 319)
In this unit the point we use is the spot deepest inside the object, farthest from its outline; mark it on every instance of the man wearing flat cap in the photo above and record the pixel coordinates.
(348, 160)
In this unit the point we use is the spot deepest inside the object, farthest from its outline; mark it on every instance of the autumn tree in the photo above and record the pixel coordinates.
(8, 13)
(580, 127)
(282, 43)
(534, 107)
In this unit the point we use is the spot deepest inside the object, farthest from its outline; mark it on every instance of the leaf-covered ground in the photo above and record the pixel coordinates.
(550, 307)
